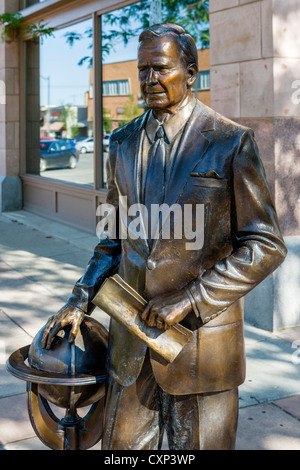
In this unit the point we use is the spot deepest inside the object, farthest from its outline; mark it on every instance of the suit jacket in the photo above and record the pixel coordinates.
(217, 164)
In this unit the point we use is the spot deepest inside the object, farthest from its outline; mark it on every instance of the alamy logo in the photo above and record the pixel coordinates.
(296, 354)
(296, 94)
(163, 221)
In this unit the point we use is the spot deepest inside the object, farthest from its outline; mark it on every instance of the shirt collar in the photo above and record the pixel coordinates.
(173, 125)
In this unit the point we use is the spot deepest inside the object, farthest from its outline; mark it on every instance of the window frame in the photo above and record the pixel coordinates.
(207, 74)
(35, 13)
(117, 83)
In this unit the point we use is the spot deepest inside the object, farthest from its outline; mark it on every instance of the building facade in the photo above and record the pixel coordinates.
(253, 65)
(50, 82)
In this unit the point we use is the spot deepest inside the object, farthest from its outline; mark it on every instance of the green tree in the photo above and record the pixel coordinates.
(106, 121)
(14, 27)
(192, 15)
(69, 118)
(132, 110)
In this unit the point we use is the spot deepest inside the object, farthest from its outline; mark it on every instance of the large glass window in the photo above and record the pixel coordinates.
(28, 3)
(60, 141)
(116, 87)
(203, 81)
(64, 105)
(122, 100)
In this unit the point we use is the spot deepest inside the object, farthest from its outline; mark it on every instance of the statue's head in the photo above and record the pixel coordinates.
(168, 66)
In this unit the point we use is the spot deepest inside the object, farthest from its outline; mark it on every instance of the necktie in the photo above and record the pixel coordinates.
(155, 178)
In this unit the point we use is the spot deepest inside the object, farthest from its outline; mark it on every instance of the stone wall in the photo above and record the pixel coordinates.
(255, 69)
(10, 183)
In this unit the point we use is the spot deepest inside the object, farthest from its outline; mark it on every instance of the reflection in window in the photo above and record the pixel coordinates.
(203, 81)
(116, 87)
(59, 110)
(62, 108)
(122, 100)
(28, 3)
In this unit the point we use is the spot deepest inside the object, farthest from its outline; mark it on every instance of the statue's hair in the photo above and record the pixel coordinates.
(186, 43)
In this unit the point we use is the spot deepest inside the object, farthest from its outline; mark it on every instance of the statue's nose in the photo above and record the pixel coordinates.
(151, 77)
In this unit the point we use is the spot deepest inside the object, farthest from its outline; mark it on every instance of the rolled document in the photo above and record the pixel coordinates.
(119, 300)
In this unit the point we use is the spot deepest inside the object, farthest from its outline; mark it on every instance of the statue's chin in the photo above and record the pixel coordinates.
(156, 105)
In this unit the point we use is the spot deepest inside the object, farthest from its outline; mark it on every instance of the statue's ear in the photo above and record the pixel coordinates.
(192, 75)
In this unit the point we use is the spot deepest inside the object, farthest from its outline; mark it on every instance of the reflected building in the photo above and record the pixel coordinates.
(80, 82)
(65, 122)
(122, 99)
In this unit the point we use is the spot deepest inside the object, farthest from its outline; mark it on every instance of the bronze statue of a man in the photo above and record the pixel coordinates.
(180, 152)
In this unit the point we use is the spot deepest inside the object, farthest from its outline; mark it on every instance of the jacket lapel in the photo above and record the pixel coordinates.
(130, 157)
(130, 169)
(192, 147)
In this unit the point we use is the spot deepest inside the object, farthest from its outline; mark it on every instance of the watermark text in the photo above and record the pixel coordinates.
(166, 222)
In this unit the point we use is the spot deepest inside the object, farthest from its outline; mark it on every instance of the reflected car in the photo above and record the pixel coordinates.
(106, 138)
(85, 146)
(75, 140)
(57, 154)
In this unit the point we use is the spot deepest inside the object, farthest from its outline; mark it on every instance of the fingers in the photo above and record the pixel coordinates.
(146, 312)
(160, 324)
(64, 317)
(52, 333)
(167, 310)
(75, 326)
(50, 323)
(149, 314)
(154, 320)
(151, 317)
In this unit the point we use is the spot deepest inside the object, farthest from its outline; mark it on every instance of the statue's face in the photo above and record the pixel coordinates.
(162, 74)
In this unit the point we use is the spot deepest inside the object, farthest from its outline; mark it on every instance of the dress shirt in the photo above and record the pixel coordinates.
(173, 128)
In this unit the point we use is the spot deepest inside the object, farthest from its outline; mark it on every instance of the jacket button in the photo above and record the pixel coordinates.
(150, 264)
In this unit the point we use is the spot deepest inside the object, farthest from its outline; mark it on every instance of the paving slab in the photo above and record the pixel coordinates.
(55, 276)
(39, 264)
(267, 427)
(290, 405)
(291, 335)
(271, 369)
(15, 236)
(27, 303)
(12, 337)
(14, 420)
(57, 230)
(25, 444)
(34, 444)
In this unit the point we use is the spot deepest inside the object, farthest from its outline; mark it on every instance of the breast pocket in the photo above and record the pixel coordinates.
(203, 182)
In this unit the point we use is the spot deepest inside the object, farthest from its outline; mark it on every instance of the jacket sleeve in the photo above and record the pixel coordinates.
(258, 245)
(107, 253)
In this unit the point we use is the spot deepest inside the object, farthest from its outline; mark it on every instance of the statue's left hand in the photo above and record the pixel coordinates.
(166, 310)
(66, 315)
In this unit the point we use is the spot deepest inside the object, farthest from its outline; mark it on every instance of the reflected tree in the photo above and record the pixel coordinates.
(132, 110)
(121, 26)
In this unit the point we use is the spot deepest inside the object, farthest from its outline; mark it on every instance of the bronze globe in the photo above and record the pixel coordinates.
(86, 356)
(69, 375)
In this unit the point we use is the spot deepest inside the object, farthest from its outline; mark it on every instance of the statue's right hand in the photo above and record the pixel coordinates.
(66, 315)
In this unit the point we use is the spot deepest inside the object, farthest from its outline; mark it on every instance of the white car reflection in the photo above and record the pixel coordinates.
(85, 146)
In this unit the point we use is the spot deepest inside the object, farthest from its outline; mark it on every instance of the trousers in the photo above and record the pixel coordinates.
(137, 416)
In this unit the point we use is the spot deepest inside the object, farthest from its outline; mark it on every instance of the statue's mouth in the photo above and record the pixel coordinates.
(157, 93)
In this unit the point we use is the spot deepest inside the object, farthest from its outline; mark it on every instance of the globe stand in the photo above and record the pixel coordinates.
(62, 377)
(69, 433)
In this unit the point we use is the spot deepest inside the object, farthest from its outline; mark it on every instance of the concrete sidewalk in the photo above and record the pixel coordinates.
(39, 262)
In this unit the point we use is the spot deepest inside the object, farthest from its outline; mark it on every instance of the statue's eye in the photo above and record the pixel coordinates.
(160, 69)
